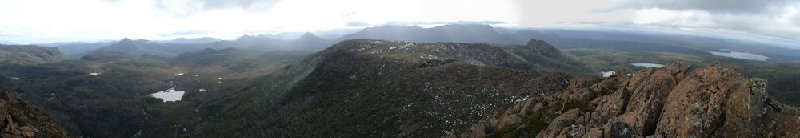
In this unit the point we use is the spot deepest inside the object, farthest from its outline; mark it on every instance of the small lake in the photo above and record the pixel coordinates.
(648, 65)
(169, 95)
(739, 55)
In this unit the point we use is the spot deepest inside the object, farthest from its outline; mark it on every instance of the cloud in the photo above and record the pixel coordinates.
(356, 24)
(548, 12)
(78, 20)
(442, 23)
(243, 4)
(712, 6)
(772, 25)
(774, 18)
(183, 33)
(191, 7)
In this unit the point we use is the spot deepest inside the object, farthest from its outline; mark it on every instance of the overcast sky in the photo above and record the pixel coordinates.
(39, 21)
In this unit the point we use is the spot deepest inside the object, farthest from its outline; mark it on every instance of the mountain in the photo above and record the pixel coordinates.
(712, 101)
(29, 54)
(306, 42)
(140, 47)
(309, 36)
(309, 41)
(20, 119)
(378, 88)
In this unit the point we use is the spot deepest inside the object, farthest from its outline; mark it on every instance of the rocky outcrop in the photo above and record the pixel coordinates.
(20, 120)
(712, 101)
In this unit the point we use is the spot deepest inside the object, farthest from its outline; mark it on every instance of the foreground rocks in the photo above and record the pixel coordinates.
(712, 101)
(20, 120)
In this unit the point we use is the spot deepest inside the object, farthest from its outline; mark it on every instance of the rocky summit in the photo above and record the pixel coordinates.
(712, 101)
(21, 120)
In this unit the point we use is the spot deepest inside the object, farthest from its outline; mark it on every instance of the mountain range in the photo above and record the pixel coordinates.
(400, 81)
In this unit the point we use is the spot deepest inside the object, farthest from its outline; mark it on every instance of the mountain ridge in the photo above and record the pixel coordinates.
(29, 54)
(357, 77)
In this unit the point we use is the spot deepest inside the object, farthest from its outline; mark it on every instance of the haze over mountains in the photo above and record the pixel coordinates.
(465, 33)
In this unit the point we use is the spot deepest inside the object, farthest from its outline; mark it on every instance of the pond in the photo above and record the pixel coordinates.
(648, 65)
(739, 55)
(169, 95)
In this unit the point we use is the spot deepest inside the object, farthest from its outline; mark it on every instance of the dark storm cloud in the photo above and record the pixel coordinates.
(711, 6)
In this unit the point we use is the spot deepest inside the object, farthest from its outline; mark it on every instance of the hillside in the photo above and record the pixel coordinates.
(712, 101)
(387, 88)
(29, 54)
(20, 119)
(236, 61)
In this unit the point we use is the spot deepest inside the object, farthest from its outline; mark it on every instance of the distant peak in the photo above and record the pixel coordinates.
(252, 37)
(128, 40)
(392, 27)
(543, 47)
(309, 35)
(466, 26)
(536, 42)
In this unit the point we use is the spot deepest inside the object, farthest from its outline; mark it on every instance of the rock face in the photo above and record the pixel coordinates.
(18, 120)
(712, 101)
(29, 54)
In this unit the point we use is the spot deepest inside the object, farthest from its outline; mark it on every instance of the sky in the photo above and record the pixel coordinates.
(44, 21)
